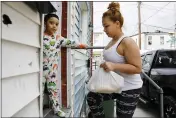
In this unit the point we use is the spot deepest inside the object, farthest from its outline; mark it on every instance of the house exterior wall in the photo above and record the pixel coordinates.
(21, 47)
(156, 44)
(79, 15)
(21, 63)
(156, 41)
(0, 58)
(136, 39)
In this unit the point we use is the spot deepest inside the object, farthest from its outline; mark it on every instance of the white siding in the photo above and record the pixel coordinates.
(90, 21)
(84, 22)
(70, 59)
(20, 61)
(77, 75)
(29, 110)
(22, 30)
(84, 27)
(78, 18)
(81, 74)
(0, 58)
(155, 41)
(143, 40)
(17, 92)
(70, 79)
(59, 13)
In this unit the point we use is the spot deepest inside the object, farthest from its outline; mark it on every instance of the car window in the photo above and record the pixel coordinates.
(147, 61)
(166, 59)
(142, 57)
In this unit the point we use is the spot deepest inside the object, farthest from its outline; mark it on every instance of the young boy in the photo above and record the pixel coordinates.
(51, 48)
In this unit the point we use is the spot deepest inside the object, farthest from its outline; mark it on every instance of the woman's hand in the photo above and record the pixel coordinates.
(107, 66)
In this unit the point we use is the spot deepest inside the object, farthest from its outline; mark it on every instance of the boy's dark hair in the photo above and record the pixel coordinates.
(48, 16)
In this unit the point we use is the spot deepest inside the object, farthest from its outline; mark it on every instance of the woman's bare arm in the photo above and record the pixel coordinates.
(133, 59)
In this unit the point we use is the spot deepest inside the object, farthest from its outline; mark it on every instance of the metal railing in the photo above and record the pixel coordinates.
(146, 77)
(160, 91)
(90, 47)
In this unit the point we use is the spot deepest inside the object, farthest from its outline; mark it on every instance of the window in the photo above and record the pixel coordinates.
(149, 40)
(142, 57)
(166, 59)
(161, 40)
(147, 61)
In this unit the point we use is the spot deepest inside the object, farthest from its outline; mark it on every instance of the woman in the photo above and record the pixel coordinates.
(122, 56)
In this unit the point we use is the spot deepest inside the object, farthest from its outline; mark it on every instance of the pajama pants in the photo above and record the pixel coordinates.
(51, 79)
(125, 103)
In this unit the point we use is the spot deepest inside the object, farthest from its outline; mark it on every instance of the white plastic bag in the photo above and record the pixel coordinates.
(105, 82)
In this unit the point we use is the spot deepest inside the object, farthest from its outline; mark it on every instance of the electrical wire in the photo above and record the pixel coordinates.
(152, 15)
(155, 13)
(157, 26)
(155, 7)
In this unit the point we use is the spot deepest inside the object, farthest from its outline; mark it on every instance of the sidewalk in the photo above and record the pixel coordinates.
(144, 111)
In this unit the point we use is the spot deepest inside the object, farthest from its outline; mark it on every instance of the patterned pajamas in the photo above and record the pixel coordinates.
(51, 53)
(125, 103)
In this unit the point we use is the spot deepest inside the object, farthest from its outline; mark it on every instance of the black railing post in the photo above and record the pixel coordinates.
(161, 94)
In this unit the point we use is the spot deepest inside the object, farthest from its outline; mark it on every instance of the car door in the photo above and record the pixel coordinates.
(146, 65)
(142, 77)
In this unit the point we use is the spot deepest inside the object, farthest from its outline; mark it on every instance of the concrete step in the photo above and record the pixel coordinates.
(46, 111)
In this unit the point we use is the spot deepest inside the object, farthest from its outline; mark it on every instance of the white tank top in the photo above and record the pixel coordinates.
(131, 81)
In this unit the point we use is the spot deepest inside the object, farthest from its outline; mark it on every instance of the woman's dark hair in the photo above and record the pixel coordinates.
(48, 16)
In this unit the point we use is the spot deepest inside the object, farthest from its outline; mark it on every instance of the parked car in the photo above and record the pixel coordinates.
(160, 66)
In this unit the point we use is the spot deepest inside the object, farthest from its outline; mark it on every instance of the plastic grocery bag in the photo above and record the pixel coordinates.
(105, 82)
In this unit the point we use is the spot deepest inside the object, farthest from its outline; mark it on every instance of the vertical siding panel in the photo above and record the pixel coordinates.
(77, 33)
(72, 82)
(71, 35)
(77, 62)
(80, 77)
(81, 70)
(0, 58)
